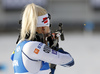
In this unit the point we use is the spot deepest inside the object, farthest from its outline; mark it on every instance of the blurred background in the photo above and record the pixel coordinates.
(81, 25)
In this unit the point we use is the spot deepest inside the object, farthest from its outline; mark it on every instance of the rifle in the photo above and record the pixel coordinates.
(54, 43)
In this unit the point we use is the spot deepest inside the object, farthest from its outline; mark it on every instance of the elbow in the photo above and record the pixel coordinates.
(69, 64)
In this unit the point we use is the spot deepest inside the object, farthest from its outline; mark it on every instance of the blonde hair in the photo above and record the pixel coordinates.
(29, 20)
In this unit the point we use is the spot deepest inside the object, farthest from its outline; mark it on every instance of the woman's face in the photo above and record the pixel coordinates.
(43, 30)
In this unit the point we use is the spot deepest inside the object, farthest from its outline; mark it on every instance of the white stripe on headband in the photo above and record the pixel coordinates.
(43, 21)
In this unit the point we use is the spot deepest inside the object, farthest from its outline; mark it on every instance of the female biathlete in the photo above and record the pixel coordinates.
(33, 54)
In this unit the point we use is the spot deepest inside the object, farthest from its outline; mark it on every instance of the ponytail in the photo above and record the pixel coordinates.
(29, 22)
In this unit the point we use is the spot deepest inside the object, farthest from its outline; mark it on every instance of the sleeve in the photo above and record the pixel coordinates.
(55, 57)
(44, 53)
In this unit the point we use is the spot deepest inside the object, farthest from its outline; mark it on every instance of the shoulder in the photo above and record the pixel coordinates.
(29, 44)
(34, 43)
(33, 49)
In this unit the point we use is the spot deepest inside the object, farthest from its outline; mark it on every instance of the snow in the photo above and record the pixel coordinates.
(83, 46)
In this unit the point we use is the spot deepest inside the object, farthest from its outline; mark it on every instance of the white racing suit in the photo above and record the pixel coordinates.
(33, 57)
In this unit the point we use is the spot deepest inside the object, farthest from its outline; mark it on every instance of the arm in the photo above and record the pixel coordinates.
(40, 51)
(57, 57)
